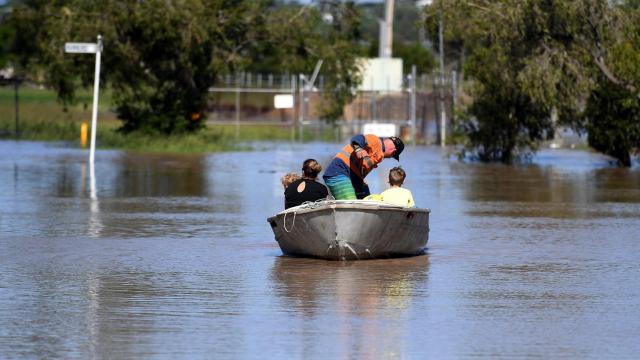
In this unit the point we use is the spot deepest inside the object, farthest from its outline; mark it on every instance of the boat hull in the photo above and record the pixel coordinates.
(350, 230)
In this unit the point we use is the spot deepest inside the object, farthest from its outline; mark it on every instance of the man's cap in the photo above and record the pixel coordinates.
(397, 142)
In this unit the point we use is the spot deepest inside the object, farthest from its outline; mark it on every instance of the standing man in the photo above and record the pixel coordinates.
(345, 175)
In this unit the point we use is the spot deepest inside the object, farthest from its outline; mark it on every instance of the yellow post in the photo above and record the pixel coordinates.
(84, 129)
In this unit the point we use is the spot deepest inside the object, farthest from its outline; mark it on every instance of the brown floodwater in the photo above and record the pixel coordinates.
(174, 259)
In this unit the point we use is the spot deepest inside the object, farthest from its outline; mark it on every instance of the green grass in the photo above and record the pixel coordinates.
(42, 118)
(211, 139)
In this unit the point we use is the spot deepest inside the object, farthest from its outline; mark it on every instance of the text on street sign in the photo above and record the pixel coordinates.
(81, 48)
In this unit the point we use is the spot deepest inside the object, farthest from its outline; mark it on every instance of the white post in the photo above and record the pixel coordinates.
(413, 89)
(90, 48)
(94, 113)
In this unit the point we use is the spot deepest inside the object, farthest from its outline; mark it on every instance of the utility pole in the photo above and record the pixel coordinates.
(388, 22)
(385, 46)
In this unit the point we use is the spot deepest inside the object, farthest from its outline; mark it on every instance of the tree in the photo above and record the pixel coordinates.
(342, 54)
(298, 36)
(167, 54)
(612, 114)
(161, 56)
(613, 121)
(6, 36)
(529, 59)
(520, 73)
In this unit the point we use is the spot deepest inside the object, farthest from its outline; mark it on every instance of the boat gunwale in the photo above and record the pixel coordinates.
(347, 205)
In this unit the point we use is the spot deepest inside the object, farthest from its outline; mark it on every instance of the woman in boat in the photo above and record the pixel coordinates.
(306, 188)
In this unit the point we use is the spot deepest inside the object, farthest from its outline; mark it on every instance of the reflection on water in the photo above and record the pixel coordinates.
(307, 283)
(160, 175)
(379, 293)
(172, 257)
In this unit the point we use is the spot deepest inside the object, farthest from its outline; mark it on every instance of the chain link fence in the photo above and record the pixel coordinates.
(419, 110)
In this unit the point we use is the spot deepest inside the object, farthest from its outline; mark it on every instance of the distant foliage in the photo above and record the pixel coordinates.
(530, 58)
(6, 38)
(613, 121)
(160, 57)
(299, 36)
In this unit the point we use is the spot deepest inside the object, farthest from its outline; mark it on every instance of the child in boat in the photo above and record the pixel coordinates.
(395, 194)
(289, 178)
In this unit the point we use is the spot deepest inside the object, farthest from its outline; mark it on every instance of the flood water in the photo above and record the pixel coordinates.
(174, 259)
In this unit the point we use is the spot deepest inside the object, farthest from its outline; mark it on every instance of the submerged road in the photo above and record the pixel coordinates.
(174, 259)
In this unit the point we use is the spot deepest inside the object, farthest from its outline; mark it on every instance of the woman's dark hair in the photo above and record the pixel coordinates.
(396, 176)
(311, 168)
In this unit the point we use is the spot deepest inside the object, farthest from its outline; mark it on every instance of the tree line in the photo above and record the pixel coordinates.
(530, 65)
(539, 64)
(160, 57)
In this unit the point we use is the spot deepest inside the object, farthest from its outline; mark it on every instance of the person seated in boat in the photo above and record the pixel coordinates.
(395, 194)
(346, 172)
(288, 178)
(306, 188)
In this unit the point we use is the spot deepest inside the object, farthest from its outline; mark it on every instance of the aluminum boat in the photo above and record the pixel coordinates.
(351, 229)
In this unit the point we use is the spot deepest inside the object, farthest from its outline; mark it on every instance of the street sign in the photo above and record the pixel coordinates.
(81, 48)
(283, 101)
(90, 48)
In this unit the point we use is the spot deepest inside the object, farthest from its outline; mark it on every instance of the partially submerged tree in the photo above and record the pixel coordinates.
(521, 71)
(613, 121)
(612, 114)
(529, 59)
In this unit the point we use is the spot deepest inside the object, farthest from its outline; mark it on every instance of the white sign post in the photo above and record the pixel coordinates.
(90, 48)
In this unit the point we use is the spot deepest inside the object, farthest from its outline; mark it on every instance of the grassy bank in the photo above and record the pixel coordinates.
(42, 118)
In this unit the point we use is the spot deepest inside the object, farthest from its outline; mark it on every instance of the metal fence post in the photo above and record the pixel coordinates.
(293, 117)
(301, 107)
(237, 112)
(454, 93)
(413, 105)
(16, 83)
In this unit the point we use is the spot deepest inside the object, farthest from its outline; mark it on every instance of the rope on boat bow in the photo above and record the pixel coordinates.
(293, 223)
